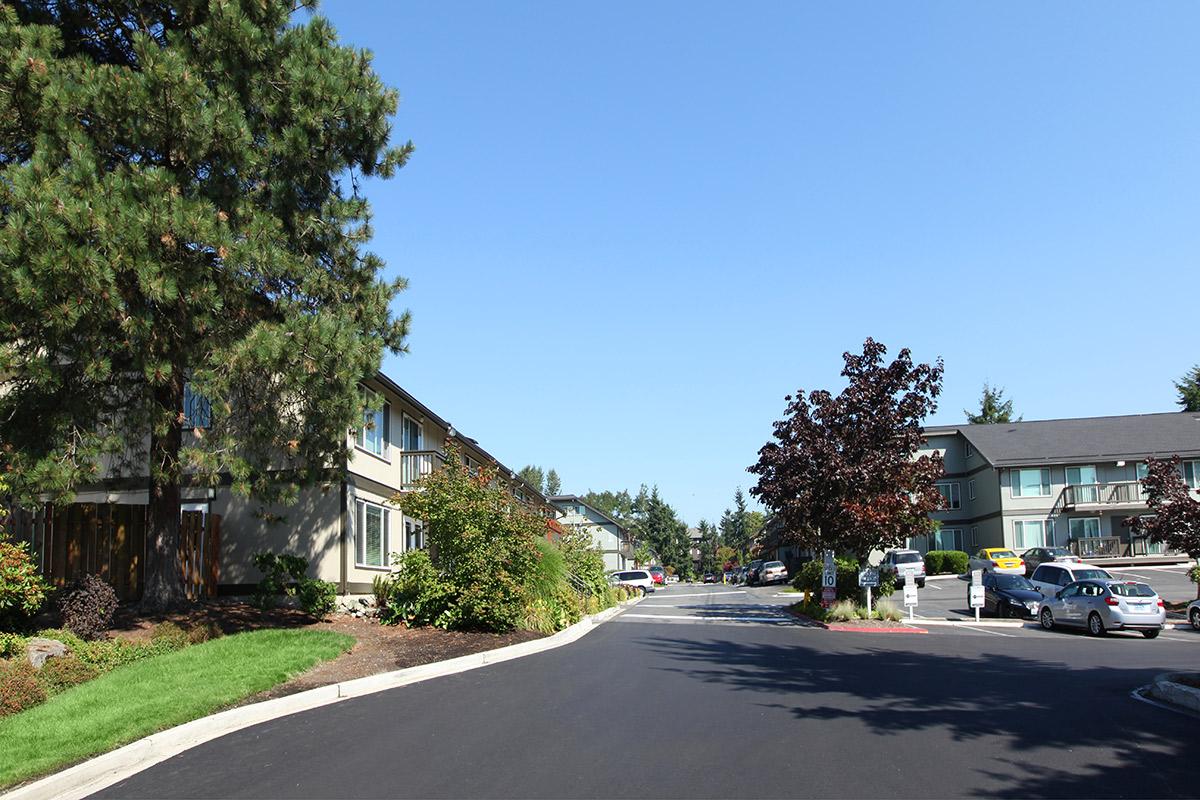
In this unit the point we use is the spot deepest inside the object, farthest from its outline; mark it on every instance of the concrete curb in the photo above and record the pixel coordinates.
(983, 623)
(103, 771)
(1167, 690)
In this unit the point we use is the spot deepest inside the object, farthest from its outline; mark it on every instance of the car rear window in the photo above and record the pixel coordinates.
(1003, 554)
(907, 558)
(1089, 574)
(1131, 589)
(630, 576)
(774, 564)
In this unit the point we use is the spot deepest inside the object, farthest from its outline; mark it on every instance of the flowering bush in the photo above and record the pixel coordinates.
(22, 588)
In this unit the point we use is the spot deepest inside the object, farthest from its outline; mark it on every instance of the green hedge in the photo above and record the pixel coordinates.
(808, 579)
(953, 562)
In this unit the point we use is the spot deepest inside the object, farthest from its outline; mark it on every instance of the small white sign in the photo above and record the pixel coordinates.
(868, 577)
(977, 577)
(910, 593)
(976, 597)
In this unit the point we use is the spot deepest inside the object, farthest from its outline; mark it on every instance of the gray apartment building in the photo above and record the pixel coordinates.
(1064, 482)
(607, 534)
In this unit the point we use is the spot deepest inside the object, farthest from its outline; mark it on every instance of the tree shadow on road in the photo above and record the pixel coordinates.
(1032, 709)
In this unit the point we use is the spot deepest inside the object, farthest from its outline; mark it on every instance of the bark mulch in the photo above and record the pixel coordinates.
(378, 648)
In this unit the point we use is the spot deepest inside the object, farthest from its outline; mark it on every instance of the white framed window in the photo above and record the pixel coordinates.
(1143, 469)
(1084, 478)
(968, 451)
(951, 498)
(411, 438)
(370, 535)
(373, 435)
(1191, 474)
(1030, 482)
(197, 411)
(1084, 527)
(971, 489)
(1030, 533)
(974, 536)
(949, 539)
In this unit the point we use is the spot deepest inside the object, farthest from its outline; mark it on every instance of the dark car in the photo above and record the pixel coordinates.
(659, 575)
(1009, 596)
(1037, 556)
(710, 578)
(752, 571)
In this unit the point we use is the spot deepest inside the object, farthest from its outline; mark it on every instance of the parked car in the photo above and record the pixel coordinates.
(1105, 605)
(997, 559)
(1050, 578)
(672, 579)
(638, 580)
(903, 565)
(1036, 556)
(1009, 596)
(739, 574)
(772, 572)
(659, 574)
(710, 577)
(1193, 614)
(752, 571)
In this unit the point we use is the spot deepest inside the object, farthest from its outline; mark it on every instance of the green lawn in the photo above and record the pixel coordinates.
(148, 696)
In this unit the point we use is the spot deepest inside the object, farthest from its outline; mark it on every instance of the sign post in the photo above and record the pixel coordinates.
(828, 580)
(910, 597)
(976, 593)
(868, 577)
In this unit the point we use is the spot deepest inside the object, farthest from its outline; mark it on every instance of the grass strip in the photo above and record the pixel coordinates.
(155, 694)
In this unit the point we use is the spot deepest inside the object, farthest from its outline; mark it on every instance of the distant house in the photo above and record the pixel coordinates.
(1065, 482)
(607, 534)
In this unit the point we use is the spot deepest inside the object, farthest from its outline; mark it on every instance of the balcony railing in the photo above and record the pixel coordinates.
(1096, 546)
(1103, 494)
(417, 464)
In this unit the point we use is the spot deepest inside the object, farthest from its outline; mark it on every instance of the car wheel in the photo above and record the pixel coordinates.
(1095, 625)
(1047, 619)
(1002, 611)
(920, 583)
(1150, 634)
(1194, 618)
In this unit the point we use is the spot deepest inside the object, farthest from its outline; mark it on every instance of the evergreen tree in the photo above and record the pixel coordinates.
(708, 547)
(533, 476)
(1189, 390)
(553, 484)
(182, 217)
(993, 408)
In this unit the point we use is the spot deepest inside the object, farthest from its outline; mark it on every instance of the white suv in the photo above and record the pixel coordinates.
(904, 564)
(639, 580)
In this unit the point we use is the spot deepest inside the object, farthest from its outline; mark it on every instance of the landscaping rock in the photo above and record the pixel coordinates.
(39, 650)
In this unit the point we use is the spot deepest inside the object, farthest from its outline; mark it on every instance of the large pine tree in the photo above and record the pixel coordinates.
(181, 215)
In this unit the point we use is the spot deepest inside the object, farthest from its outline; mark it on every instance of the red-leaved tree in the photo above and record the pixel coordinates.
(841, 472)
(1175, 519)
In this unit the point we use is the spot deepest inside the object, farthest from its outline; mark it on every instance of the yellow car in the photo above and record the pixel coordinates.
(998, 559)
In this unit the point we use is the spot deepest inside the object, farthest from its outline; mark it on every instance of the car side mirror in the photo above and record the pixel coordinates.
(1058, 595)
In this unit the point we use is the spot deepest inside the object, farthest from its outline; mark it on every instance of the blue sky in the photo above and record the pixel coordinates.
(631, 228)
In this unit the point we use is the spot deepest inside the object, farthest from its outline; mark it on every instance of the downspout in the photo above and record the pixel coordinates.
(342, 532)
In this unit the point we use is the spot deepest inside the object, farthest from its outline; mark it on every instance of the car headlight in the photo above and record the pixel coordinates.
(1032, 605)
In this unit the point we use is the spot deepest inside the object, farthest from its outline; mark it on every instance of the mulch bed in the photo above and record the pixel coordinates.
(378, 648)
(862, 625)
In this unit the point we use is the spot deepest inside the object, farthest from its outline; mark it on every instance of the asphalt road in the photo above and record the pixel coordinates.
(713, 692)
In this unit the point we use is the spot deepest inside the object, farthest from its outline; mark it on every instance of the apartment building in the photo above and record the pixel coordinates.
(1066, 482)
(607, 534)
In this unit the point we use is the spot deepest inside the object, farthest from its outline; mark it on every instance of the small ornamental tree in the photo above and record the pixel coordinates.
(841, 472)
(187, 296)
(1174, 517)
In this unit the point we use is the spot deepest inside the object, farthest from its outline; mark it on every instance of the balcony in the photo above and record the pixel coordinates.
(1123, 493)
(417, 464)
(1096, 546)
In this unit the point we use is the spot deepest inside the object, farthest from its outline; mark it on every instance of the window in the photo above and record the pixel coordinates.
(1030, 483)
(373, 435)
(414, 535)
(1085, 479)
(950, 495)
(974, 536)
(371, 535)
(949, 539)
(1143, 469)
(971, 490)
(970, 451)
(197, 411)
(1085, 527)
(410, 436)
(1191, 474)
(1031, 533)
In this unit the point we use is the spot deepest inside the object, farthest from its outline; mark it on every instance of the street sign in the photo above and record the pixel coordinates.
(829, 573)
(977, 577)
(976, 596)
(828, 596)
(868, 577)
(910, 593)
(975, 593)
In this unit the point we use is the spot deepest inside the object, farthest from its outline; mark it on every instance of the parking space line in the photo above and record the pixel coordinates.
(708, 594)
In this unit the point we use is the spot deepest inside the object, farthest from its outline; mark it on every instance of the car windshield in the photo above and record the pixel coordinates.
(1131, 589)
(1013, 582)
(770, 564)
(1090, 575)
(1056, 552)
(907, 558)
(1003, 554)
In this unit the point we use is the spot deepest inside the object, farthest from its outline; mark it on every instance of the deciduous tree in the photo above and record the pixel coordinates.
(183, 218)
(841, 471)
(1174, 517)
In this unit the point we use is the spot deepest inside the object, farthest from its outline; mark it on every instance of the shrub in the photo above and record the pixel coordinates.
(279, 572)
(19, 687)
(886, 609)
(22, 588)
(416, 593)
(87, 606)
(808, 577)
(168, 634)
(59, 674)
(938, 562)
(203, 632)
(317, 598)
(933, 561)
(842, 611)
(381, 587)
(11, 645)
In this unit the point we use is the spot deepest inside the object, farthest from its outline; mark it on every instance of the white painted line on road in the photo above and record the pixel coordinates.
(1189, 640)
(935, 586)
(697, 618)
(985, 630)
(1133, 574)
(706, 594)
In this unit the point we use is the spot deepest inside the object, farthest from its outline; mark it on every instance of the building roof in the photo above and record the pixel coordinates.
(570, 499)
(1067, 441)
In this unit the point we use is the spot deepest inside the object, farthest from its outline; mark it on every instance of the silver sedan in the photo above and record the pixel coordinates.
(1101, 606)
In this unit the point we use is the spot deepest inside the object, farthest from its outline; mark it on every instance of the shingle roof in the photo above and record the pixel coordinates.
(1065, 441)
